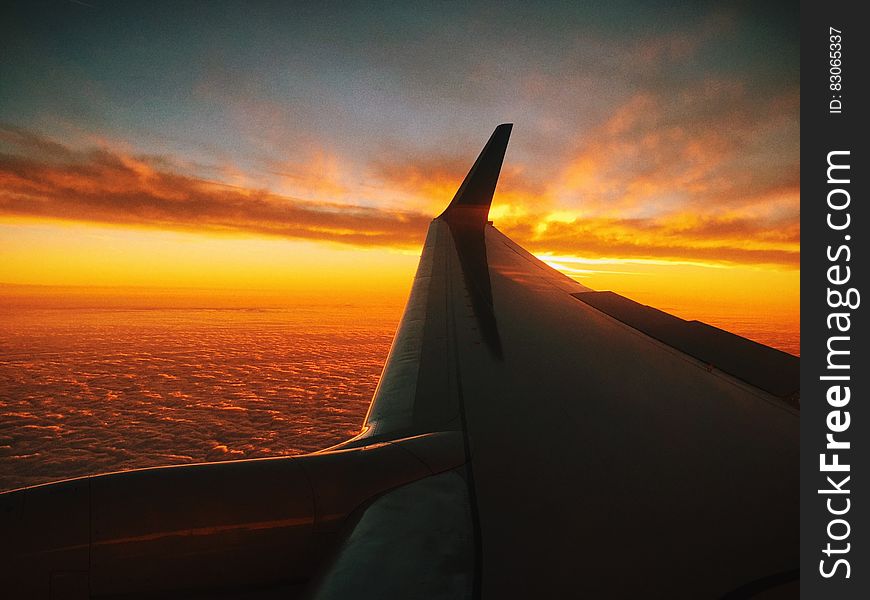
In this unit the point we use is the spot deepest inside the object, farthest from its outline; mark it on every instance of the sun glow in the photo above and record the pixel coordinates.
(249, 267)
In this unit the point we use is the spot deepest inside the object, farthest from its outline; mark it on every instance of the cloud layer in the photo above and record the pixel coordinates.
(625, 186)
(104, 186)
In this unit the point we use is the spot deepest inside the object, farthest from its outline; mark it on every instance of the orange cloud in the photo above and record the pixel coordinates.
(678, 237)
(706, 148)
(108, 187)
(684, 209)
(432, 180)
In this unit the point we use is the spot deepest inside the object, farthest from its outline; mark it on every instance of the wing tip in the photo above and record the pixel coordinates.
(478, 187)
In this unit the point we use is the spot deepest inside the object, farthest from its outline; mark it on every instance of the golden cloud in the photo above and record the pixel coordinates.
(109, 187)
(47, 180)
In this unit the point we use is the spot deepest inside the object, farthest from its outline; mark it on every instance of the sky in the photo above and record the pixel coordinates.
(303, 147)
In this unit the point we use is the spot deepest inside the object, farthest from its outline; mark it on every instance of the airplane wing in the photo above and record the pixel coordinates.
(529, 437)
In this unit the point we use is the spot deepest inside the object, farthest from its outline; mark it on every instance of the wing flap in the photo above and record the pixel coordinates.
(768, 369)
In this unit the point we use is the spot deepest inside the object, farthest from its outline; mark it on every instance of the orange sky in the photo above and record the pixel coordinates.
(101, 218)
(655, 151)
(114, 265)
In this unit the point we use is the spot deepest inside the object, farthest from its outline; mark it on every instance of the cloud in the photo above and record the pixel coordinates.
(105, 186)
(682, 236)
(708, 148)
(190, 393)
(430, 179)
(655, 210)
(704, 173)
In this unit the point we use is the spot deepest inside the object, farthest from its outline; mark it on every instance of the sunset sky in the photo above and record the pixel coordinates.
(272, 148)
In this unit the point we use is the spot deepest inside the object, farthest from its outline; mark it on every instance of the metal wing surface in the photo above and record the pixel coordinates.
(613, 450)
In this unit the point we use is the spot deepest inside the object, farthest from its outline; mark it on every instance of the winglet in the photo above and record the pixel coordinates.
(474, 196)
